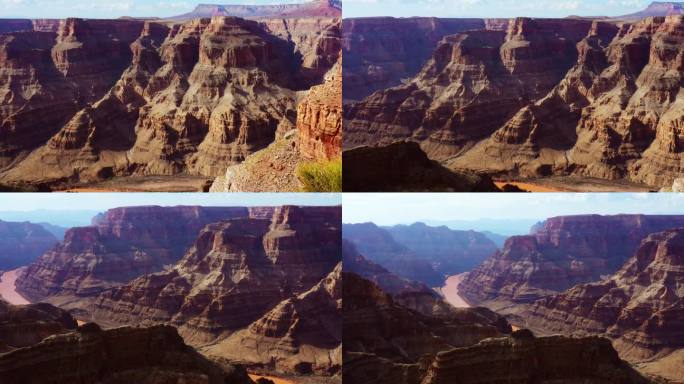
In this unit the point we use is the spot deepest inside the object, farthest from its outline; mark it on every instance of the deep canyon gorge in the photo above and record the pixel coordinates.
(178, 102)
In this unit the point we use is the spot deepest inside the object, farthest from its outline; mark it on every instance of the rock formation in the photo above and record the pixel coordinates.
(25, 325)
(385, 341)
(450, 252)
(236, 271)
(404, 167)
(388, 343)
(378, 245)
(380, 52)
(122, 244)
(301, 335)
(567, 97)
(564, 252)
(310, 8)
(22, 243)
(640, 307)
(142, 355)
(523, 358)
(319, 119)
(120, 98)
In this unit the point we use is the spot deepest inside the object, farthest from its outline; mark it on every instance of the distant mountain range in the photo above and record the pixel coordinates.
(60, 218)
(658, 8)
(314, 8)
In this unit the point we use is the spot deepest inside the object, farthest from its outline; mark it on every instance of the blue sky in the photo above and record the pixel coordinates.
(104, 201)
(491, 8)
(390, 209)
(109, 9)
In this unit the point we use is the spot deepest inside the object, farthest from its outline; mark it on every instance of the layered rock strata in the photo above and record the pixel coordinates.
(639, 307)
(142, 98)
(380, 52)
(22, 243)
(122, 244)
(142, 355)
(565, 251)
(525, 359)
(567, 97)
(25, 325)
(236, 271)
(301, 335)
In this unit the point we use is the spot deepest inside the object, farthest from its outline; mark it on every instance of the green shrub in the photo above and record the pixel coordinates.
(323, 176)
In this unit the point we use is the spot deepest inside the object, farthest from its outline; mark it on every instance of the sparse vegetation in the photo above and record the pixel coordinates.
(321, 176)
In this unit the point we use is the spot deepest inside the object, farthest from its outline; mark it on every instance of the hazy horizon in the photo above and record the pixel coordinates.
(113, 9)
(491, 8)
(393, 209)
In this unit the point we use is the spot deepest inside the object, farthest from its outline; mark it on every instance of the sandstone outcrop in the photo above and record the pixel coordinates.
(142, 355)
(319, 119)
(564, 252)
(122, 98)
(236, 271)
(301, 335)
(311, 8)
(378, 245)
(404, 167)
(122, 244)
(25, 325)
(639, 307)
(522, 358)
(450, 252)
(380, 52)
(22, 243)
(569, 97)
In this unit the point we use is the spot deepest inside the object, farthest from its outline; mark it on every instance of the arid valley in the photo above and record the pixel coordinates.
(578, 298)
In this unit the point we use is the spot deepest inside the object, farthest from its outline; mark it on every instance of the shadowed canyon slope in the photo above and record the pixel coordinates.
(102, 99)
(640, 307)
(546, 97)
(22, 243)
(420, 252)
(388, 343)
(562, 252)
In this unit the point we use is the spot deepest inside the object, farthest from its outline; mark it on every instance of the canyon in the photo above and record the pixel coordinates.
(639, 307)
(569, 101)
(229, 282)
(22, 243)
(99, 103)
(558, 254)
(420, 252)
(467, 345)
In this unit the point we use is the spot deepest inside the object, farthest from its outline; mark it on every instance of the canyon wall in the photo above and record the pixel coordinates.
(547, 97)
(639, 307)
(380, 52)
(126, 97)
(123, 244)
(565, 251)
(22, 243)
(234, 273)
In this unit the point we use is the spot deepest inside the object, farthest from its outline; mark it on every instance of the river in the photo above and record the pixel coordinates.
(8, 291)
(450, 291)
